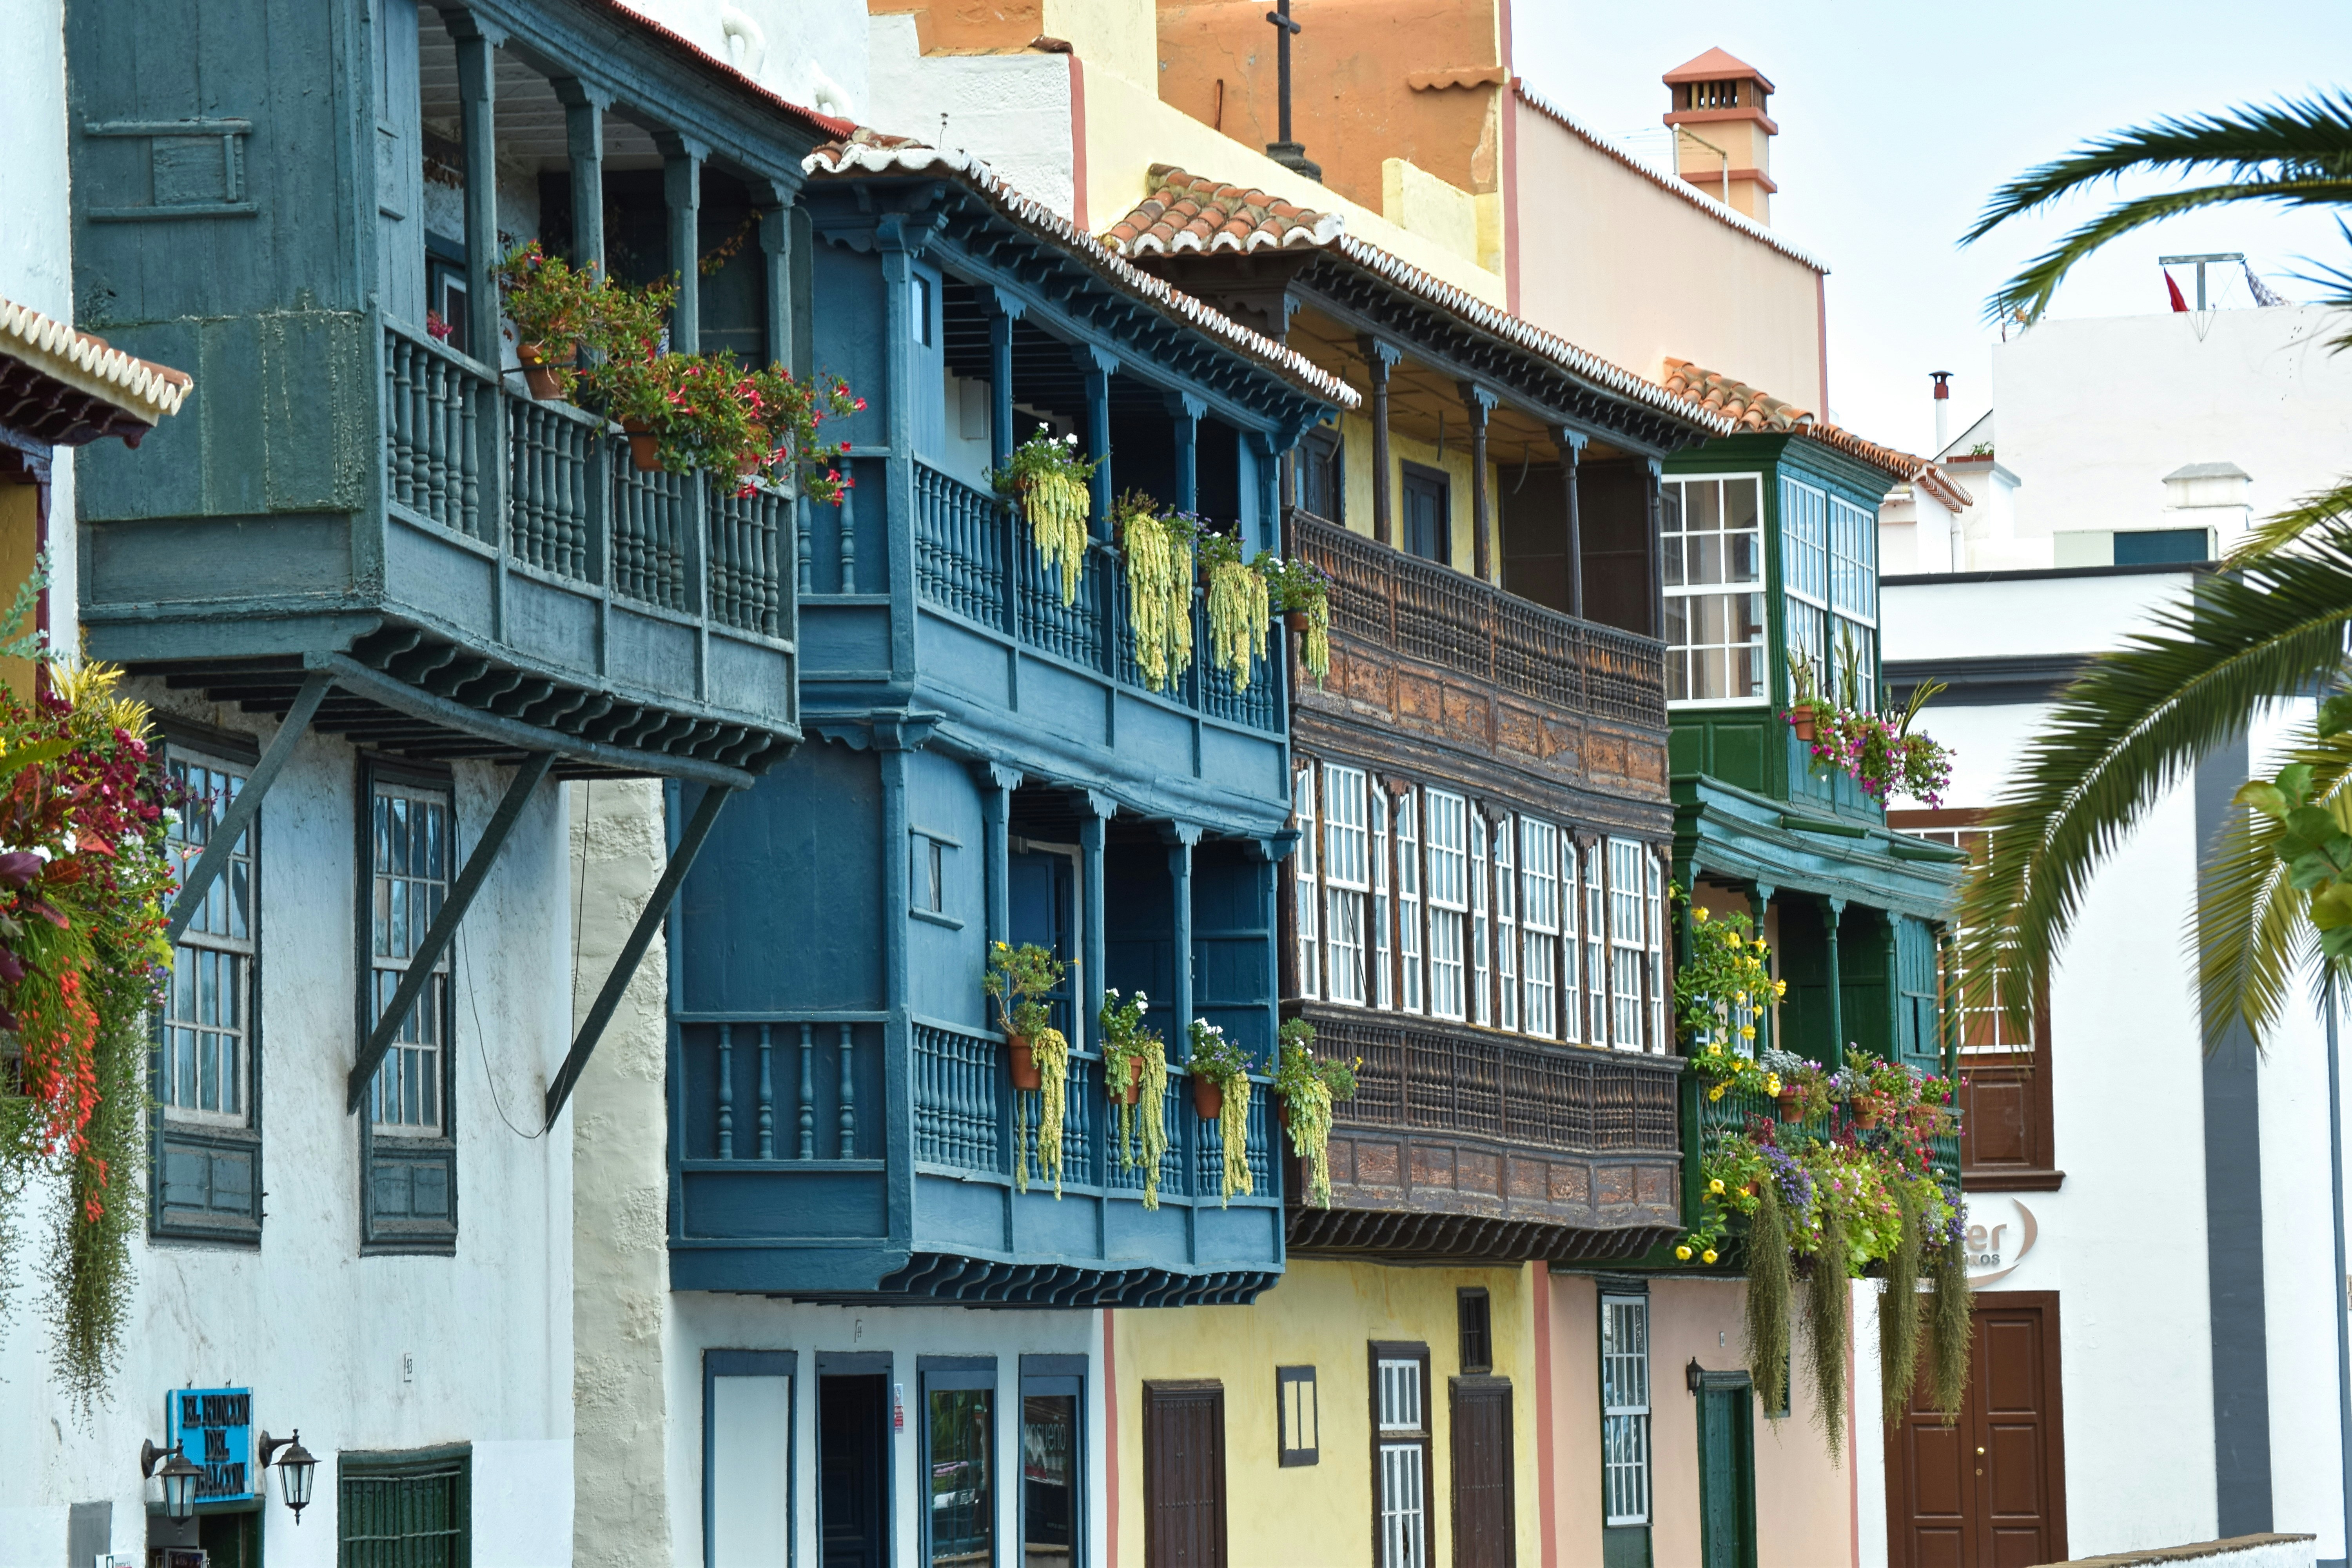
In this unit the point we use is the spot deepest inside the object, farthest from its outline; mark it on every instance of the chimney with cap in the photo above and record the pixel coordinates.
(1722, 136)
(1943, 380)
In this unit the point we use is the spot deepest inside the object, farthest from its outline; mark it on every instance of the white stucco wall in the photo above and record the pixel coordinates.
(812, 52)
(35, 240)
(1012, 109)
(361, 1353)
(2125, 1241)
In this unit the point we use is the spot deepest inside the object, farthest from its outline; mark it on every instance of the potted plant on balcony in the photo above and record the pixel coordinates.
(1302, 592)
(1723, 985)
(551, 305)
(1239, 606)
(782, 440)
(1220, 1092)
(1047, 481)
(1135, 1076)
(1308, 1087)
(1158, 547)
(1018, 980)
(1881, 753)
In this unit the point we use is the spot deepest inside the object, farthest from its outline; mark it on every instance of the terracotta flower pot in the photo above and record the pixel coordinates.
(1282, 1113)
(1296, 620)
(747, 467)
(537, 373)
(1788, 1106)
(1865, 1114)
(645, 447)
(1134, 1089)
(1800, 720)
(1208, 1098)
(1025, 1064)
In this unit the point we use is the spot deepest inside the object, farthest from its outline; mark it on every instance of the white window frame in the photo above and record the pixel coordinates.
(1539, 919)
(1571, 942)
(1309, 904)
(1691, 592)
(1596, 943)
(1383, 977)
(1853, 590)
(1409, 924)
(208, 1006)
(1506, 921)
(1655, 906)
(1628, 939)
(1445, 838)
(1347, 882)
(1805, 580)
(412, 1057)
(1481, 978)
(1403, 1507)
(1626, 1409)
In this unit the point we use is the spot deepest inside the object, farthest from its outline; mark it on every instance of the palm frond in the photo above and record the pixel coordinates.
(2130, 729)
(2283, 529)
(2249, 932)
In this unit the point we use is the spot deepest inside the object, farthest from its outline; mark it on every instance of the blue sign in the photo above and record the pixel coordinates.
(213, 1428)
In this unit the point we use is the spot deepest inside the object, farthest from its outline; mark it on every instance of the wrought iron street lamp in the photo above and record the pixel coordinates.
(178, 1476)
(296, 1470)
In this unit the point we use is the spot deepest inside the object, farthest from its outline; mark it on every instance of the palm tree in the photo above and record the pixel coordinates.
(2277, 893)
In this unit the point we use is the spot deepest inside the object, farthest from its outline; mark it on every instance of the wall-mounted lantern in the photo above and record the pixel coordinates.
(296, 1470)
(178, 1476)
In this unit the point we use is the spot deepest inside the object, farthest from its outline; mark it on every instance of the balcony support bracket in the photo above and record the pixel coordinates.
(222, 841)
(633, 952)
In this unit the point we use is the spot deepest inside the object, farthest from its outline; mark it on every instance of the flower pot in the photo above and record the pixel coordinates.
(1024, 1062)
(1297, 620)
(1208, 1098)
(1134, 1089)
(1865, 1114)
(1800, 720)
(747, 467)
(1282, 1113)
(645, 447)
(537, 373)
(1790, 1110)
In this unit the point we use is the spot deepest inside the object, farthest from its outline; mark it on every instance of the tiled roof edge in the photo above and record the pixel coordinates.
(1682, 188)
(92, 364)
(848, 158)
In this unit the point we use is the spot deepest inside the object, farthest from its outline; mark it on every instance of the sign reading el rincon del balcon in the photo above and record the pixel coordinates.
(213, 1428)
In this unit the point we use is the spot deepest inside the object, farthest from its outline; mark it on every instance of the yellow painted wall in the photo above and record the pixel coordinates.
(1323, 1314)
(1122, 36)
(20, 552)
(1356, 455)
(1128, 130)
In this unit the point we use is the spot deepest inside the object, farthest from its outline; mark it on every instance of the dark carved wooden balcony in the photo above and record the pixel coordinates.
(1465, 1142)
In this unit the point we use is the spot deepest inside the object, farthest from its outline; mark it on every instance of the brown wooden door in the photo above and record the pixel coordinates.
(1184, 1475)
(1988, 1492)
(1483, 1531)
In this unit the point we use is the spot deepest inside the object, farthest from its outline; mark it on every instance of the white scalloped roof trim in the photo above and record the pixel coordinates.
(90, 364)
(1682, 188)
(1327, 227)
(849, 157)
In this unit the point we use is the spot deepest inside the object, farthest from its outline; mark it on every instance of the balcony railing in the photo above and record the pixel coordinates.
(1401, 602)
(973, 560)
(574, 507)
(1485, 1085)
(1707, 1122)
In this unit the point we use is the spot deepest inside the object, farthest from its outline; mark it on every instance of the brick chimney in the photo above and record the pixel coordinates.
(1723, 138)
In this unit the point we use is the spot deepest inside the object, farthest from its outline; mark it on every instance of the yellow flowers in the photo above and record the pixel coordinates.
(1708, 1256)
(1759, 944)
(1716, 1186)
(1739, 998)
(1682, 1254)
(1731, 939)
(1780, 988)
(1714, 1047)
(1700, 916)
(1715, 1093)
(1772, 1084)
(1747, 1031)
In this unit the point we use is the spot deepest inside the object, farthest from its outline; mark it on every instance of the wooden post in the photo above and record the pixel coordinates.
(997, 783)
(1571, 454)
(1835, 908)
(1185, 408)
(583, 139)
(1759, 903)
(1182, 837)
(1654, 546)
(1380, 358)
(1097, 366)
(1092, 946)
(477, 122)
(1480, 405)
(774, 199)
(682, 193)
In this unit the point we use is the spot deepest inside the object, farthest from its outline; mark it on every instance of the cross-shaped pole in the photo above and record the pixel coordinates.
(1286, 152)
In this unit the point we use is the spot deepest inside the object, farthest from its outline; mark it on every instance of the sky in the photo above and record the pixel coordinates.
(1897, 122)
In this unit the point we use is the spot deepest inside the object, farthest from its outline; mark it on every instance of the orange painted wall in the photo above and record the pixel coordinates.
(1350, 103)
(968, 27)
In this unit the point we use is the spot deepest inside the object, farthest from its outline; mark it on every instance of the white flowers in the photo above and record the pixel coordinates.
(1071, 439)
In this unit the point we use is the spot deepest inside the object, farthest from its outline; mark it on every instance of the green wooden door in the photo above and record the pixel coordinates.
(1727, 1471)
(1919, 1040)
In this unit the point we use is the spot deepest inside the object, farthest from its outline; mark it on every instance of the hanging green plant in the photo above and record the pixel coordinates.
(1898, 1308)
(1239, 607)
(1159, 553)
(1222, 1068)
(1302, 593)
(1310, 1086)
(1951, 1323)
(1135, 1076)
(1764, 1329)
(1826, 1308)
(1047, 480)
(1051, 1054)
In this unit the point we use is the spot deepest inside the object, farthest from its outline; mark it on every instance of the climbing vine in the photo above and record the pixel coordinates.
(1310, 1086)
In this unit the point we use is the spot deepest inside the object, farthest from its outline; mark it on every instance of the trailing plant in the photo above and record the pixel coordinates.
(1310, 1086)
(1017, 980)
(87, 867)
(1047, 480)
(1298, 584)
(1951, 1328)
(1722, 986)
(1898, 1308)
(1226, 1065)
(1825, 1306)
(1142, 1137)
(1051, 1053)
(1159, 553)
(1764, 1332)
(1238, 607)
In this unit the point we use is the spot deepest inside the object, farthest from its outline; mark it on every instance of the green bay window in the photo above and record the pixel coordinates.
(1713, 549)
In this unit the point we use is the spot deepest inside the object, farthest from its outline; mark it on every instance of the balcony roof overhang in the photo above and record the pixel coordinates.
(60, 387)
(1732, 834)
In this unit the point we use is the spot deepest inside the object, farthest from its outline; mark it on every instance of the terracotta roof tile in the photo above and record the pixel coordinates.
(1749, 409)
(1714, 66)
(1268, 221)
(90, 364)
(869, 152)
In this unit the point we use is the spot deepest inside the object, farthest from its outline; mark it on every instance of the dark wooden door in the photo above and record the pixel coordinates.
(1988, 1492)
(852, 1459)
(1427, 527)
(1727, 1471)
(1484, 1533)
(1184, 1475)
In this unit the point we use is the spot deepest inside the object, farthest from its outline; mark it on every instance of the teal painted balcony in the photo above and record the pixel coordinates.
(1707, 1122)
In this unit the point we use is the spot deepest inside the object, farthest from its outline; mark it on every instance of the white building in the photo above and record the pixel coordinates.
(2151, 1228)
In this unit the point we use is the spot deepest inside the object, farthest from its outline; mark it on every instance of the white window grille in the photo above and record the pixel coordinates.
(1656, 908)
(1408, 870)
(204, 1050)
(1626, 1409)
(1481, 1009)
(1571, 948)
(1596, 948)
(1805, 574)
(411, 863)
(1309, 900)
(1403, 1507)
(1854, 599)
(1507, 932)
(1627, 939)
(1713, 555)
(1383, 982)
(1540, 843)
(1448, 829)
(1347, 879)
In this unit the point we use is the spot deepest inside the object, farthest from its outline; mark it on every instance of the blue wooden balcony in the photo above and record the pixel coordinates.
(813, 1162)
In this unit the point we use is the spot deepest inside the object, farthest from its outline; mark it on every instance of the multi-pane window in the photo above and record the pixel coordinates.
(1309, 900)
(1403, 1442)
(1653, 911)
(1540, 912)
(1449, 900)
(1408, 872)
(1571, 951)
(1626, 1409)
(1596, 936)
(1383, 982)
(1481, 987)
(1347, 878)
(1853, 602)
(205, 1058)
(1507, 927)
(1713, 558)
(1805, 576)
(410, 869)
(1628, 939)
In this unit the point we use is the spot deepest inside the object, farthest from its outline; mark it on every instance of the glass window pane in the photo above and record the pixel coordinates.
(1049, 1480)
(961, 1496)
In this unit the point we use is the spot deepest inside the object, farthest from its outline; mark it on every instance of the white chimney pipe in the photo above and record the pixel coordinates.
(1942, 378)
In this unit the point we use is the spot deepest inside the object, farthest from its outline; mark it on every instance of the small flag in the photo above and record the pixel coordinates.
(2264, 295)
(2174, 289)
